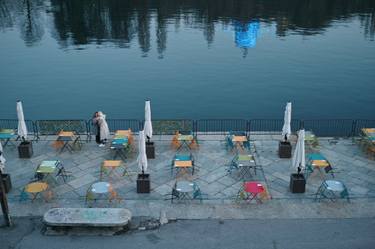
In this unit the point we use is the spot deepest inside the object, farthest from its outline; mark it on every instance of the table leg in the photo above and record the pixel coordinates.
(64, 146)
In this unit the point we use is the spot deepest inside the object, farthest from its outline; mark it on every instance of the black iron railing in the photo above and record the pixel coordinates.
(13, 124)
(221, 126)
(321, 127)
(53, 127)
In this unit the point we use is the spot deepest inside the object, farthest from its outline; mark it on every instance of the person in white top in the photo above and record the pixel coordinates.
(102, 128)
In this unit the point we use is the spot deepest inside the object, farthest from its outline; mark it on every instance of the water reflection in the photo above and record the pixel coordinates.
(80, 22)
(246, 35)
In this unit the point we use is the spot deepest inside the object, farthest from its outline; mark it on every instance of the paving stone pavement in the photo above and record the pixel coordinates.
(220, 187)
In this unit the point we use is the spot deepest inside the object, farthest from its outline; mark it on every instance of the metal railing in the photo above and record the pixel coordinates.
(52, 127)
(321, 127)
(266, 126)
(119, 124)
(329, 127)
(221, 126)
(170, 126)
(13, 124)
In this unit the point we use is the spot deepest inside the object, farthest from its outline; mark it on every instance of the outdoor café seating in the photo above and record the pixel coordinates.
(110, 168)
(184, 140)
(182, 163)
(311, 140)
(125, 134)
(244, 163)
(237, 141)
(50, 171)
(34, 189)
(367, 142)
(319, 162)
(120, 146)
(68, 140)
(332, 190)
(6, 135)
(252, 191)
(185, 191)
(101, 191)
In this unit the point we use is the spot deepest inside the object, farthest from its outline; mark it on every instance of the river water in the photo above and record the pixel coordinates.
(193, 59)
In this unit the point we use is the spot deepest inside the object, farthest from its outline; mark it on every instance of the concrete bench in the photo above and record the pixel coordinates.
(110, 220)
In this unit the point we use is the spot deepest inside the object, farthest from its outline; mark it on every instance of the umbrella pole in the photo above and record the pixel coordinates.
(4, 202)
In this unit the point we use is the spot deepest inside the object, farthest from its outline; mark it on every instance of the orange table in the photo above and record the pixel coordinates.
(66, 137)
(183, 165)
(35, 188)
(239, 141)
(112, 165)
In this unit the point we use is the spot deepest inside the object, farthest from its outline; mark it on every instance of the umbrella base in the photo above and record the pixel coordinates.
(25, 149)
(297, 183)
(143, 183)
(150, 150)
(285, 149)
(7, 183)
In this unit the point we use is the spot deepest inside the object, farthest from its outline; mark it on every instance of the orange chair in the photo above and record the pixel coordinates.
(371, 152)
(175, 144)
(194, 145)
(113, 195)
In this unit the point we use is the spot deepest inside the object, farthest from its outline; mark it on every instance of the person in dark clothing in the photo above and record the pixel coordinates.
(96, 123)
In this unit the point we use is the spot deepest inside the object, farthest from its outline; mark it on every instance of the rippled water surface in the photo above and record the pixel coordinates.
(193, 59)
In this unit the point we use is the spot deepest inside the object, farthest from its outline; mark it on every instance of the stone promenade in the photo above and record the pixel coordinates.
(351, 166)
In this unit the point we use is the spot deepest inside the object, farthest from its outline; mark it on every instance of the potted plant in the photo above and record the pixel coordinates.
(25, 148)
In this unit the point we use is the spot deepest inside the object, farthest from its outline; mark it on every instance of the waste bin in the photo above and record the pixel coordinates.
(143, 183)
(297, 183)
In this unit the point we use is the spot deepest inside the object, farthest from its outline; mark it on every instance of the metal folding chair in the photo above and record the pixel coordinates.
(332, 190)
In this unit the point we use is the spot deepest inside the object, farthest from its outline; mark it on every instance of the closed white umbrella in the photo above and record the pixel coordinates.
(299, 153)
(148, 125)
(2, 159)
(142, 158)
(287, 119)
(22, 129)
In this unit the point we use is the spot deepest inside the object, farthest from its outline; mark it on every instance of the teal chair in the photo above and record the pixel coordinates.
(332, 190)
(310, 168)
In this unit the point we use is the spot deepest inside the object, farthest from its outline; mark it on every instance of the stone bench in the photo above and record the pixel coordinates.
(108, 220)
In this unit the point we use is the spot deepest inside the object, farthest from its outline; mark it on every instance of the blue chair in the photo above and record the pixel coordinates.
(197, 193)
(317, 156)
(332, 190)
(229, 143)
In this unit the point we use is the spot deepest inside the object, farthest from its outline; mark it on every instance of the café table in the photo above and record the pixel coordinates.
(6, 135)
(69, 139)
(35, 189)
(120, 147)
(183, 162)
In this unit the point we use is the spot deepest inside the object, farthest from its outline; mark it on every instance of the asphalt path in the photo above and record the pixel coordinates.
(207, 234)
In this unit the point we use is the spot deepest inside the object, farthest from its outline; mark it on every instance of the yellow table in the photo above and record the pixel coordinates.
(239, 141)
(183, 165)
(35, 188)
(320, 163)
(368, 130)
(125, 133)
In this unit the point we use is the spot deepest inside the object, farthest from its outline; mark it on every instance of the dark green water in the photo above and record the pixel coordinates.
(193, 59)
